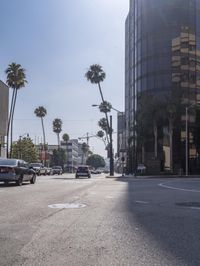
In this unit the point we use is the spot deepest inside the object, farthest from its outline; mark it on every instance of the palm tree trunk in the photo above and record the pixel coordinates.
(44, 141)
(11, 129)
(9, 120)
(58, 138)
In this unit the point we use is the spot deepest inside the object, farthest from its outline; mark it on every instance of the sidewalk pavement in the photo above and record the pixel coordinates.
(152, 176)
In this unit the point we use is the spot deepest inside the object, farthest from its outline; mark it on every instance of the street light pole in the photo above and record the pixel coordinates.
(111, 149)
(186, 141)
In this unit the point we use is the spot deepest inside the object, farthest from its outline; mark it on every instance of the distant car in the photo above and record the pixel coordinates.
(95, 172)
(17, 171)
(83, 171)
(39, 168)
(57, 170)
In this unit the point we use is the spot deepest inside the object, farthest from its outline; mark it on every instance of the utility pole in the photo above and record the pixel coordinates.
(111, 149)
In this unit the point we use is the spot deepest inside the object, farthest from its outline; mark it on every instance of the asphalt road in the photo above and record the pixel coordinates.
(100, 221)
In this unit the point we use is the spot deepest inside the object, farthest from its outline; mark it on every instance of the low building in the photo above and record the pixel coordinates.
(4, 104)
(71, 148)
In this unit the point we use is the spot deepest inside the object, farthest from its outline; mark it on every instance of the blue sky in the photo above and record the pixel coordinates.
(56, 41)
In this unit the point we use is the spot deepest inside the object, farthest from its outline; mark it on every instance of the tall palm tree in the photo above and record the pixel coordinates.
(100, 135)
(65, 138)
(85, 149)
(16, 79)
(57, 128)
(41, 113)
(96, 75)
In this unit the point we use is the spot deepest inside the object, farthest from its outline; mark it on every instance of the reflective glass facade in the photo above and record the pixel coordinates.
(162, 51)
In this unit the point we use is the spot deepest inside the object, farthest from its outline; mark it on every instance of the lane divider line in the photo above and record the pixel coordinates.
(177, 188)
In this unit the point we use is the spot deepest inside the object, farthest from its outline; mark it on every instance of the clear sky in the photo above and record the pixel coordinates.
(56, 41)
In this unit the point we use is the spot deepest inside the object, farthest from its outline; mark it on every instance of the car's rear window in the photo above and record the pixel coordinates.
(36, 164)
(82, 169)
(57, 167)
(9, 162)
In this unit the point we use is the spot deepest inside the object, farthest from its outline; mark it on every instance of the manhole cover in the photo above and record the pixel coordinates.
(67, 206)
(189, 204)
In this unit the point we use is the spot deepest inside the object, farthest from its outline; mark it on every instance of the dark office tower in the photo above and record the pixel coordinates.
(162, 61)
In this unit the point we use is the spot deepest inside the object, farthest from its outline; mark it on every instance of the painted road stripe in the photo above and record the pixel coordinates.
(142, 202)
(177, 188)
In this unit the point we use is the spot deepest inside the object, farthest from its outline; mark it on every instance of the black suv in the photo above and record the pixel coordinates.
(57, 170)
(83, 171)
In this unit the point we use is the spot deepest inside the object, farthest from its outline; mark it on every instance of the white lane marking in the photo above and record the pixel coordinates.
(67, 206)
(195, 208)
(177, 188)
(140, 201)
(110, 197)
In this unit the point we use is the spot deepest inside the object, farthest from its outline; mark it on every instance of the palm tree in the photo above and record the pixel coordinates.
(16, 79)
(103, 125)
(96, 75)
(65, 138)
(105, 107)
(85, 150)
(57, 128)
(100, 135)
(41, 113)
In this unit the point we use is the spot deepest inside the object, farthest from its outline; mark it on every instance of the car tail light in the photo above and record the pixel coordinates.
(11, 170)
(7, 170)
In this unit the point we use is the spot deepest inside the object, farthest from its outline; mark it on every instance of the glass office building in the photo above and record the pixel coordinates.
(163, 52)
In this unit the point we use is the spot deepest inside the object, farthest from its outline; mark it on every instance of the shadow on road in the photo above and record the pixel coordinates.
(174, 228)
(12, 184)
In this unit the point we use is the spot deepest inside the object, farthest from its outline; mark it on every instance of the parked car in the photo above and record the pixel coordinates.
(17, 171)
(95, 172)
(39, 168)
(83, 171)
(57, 170)
(48, 170)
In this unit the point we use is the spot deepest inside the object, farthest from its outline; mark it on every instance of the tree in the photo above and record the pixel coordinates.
(96, 75)
(65, 138)
(174, 108)
(24, 149)
(58, 157)
(100, 135)
(41, 113)
(16, 79)
(103, 125)
(149, 117)
(105, 107)
(85, 149)
(57, 128)
(96, 161)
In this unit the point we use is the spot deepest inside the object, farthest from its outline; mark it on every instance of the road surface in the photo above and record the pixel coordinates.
(100, 221)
